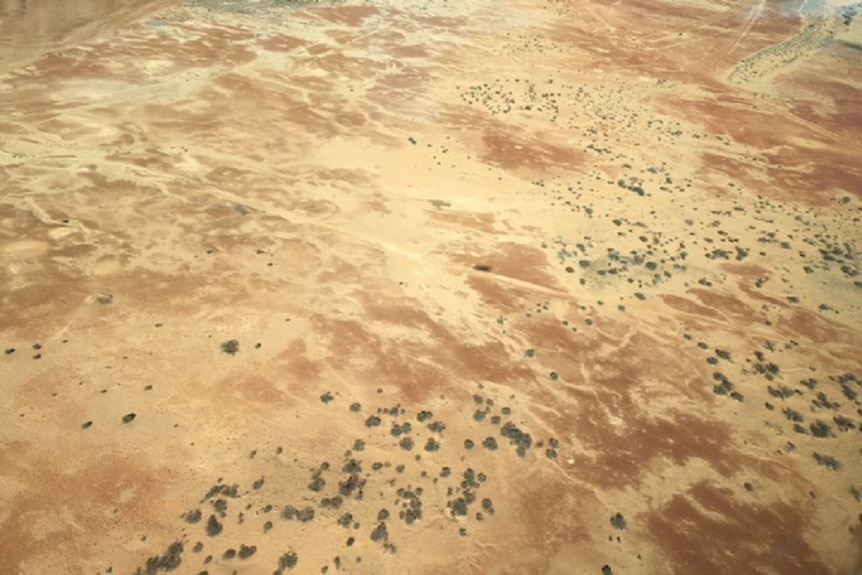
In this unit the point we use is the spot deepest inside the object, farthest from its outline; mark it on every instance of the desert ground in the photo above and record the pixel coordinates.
(430, 287)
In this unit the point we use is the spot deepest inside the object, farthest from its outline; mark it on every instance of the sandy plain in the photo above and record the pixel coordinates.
(431, 287)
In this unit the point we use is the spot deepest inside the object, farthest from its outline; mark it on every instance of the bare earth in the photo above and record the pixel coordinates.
(428, 287)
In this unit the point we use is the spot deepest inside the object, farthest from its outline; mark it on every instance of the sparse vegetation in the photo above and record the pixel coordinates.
(827, 461)
(170, 560)
(618, 521)
(230, 347)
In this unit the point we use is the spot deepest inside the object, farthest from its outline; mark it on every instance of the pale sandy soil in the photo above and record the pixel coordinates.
(622, 236)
